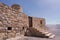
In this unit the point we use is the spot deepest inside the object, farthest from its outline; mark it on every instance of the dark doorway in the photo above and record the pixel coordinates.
(9, 28)
(30, 21)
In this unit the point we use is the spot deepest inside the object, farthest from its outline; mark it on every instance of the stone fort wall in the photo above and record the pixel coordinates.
(13, 20)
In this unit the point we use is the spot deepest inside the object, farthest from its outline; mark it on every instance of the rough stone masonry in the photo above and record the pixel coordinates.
(14, 22)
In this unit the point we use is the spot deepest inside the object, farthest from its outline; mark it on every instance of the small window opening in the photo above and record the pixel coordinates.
(23, 27)
(9, 28)
(40, 21)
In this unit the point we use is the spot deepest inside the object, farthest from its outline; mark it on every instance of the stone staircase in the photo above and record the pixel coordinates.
(36, 31)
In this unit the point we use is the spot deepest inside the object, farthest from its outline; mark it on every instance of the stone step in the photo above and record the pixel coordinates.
(48, 34)
(52, 36)
(41, 33)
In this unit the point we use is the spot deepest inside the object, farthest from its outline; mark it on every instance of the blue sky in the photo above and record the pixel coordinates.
(48, 9)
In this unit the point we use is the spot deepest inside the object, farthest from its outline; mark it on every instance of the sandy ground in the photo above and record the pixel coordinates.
(53, 30)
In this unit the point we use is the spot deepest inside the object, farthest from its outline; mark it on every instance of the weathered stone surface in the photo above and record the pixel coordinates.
(17, 7)
(13, 21)
(9, 17)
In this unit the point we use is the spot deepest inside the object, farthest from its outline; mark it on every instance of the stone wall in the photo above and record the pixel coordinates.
(13, 20)
(9, 17)
(38, 22)
(17, 7)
